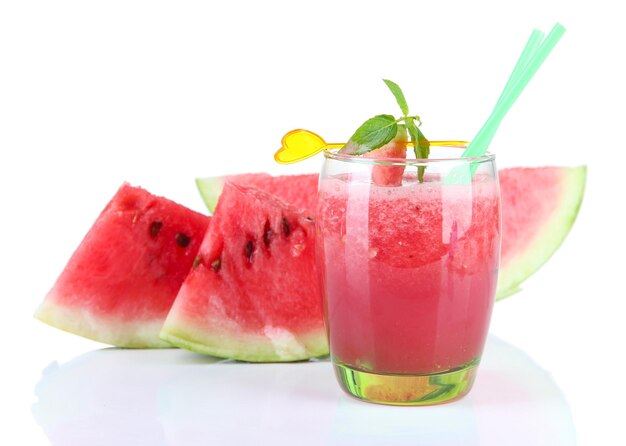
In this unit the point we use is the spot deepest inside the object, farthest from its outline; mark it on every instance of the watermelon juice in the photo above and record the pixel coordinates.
(409, 276)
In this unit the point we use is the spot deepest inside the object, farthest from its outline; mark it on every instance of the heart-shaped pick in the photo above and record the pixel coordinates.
(298, 145)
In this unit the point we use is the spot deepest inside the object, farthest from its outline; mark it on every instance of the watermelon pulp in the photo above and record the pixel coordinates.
(253, 295)
(539, 207)
(121, 281)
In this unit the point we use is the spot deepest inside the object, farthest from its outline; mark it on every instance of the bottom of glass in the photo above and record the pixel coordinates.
(407, 390)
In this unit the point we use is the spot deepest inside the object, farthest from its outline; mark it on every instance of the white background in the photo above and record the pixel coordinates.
(158, 93)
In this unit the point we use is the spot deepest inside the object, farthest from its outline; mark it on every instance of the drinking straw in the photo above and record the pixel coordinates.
(532, 57)
(534, 41)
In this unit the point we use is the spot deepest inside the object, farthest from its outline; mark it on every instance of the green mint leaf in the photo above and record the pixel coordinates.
(373, 134)
(397, 92)
(421, 146)
(423, 143)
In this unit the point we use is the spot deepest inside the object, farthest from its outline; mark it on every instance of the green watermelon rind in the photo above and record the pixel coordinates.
(549, 239)
(130, 334)
(245, 346)
(210, 189)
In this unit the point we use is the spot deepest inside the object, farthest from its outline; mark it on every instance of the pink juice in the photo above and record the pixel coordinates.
(409, 272)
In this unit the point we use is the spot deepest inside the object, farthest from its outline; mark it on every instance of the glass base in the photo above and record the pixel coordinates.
(407, 390)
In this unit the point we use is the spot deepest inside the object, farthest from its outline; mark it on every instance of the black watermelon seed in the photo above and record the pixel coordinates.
(249, 248)
(197, 261)
(286, 227)
(183, 240)
(267, 234)
(216, 264)
(155, 227)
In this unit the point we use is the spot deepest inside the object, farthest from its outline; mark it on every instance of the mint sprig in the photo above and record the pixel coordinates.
(381, 129)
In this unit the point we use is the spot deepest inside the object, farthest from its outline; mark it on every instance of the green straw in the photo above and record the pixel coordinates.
(534, 41)
(534, 54)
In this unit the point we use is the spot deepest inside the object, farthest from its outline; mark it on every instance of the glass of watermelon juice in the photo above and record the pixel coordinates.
(408, 272)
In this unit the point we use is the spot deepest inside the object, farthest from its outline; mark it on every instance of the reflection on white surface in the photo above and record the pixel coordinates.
(174, 397)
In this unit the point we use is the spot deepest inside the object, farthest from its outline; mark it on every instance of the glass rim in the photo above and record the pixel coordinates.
(333, 154)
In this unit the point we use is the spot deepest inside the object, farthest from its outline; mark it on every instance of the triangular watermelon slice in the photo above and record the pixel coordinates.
(539, 206)
(120, 283)
(253, 293)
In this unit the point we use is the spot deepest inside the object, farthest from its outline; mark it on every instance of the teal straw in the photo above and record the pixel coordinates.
(534, 41)
(532, 57)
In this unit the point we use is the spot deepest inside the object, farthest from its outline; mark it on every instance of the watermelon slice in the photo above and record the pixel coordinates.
(253, 294)
(121, 281)
(539, 206)
(297, 190)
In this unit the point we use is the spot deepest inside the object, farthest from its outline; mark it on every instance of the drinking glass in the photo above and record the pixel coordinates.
(409, 271)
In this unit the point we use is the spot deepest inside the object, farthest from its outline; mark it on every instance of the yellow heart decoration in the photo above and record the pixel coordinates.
(300, 144)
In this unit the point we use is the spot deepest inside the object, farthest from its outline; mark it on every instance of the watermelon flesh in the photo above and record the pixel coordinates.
(539, 207)
(120, 283)
(297, 190)
(254, 294)
(385, 175)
